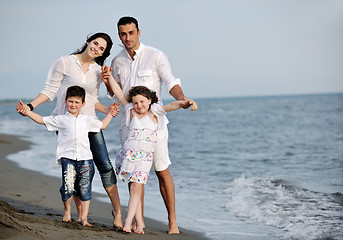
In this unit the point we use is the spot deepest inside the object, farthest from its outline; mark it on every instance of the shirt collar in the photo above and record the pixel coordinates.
(138, 51)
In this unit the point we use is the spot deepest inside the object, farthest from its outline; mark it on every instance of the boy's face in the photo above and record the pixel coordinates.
(74, 105)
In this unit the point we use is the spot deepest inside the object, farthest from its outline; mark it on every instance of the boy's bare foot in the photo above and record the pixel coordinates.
(66, 217)
(173, 228)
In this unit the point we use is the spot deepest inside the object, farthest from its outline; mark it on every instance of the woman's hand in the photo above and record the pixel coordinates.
(22, 108)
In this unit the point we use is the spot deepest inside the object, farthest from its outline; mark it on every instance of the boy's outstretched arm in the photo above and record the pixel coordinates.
(34, 116)
(114, 110)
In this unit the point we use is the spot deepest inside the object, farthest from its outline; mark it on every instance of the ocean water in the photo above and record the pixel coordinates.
(259, 168)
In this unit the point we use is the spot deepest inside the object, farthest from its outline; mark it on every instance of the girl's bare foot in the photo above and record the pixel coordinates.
(86, 224)
(127, 230)
(139, 231)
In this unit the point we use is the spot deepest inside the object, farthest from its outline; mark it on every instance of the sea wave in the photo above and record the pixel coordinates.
(300, 213)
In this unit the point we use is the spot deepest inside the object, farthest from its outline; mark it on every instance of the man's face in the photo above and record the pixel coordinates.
(129, 36)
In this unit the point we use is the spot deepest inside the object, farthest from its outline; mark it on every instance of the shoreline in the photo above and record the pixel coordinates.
(31, 208)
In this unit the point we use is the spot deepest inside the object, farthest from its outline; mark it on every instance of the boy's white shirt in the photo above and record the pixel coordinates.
(72, 138)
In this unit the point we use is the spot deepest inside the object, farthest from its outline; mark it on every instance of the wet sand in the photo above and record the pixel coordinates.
(31, 207)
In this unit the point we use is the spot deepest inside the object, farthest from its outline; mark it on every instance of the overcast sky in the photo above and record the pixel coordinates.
(218, 48)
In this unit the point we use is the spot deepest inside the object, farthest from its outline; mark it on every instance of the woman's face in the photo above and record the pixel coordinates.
(96, 47)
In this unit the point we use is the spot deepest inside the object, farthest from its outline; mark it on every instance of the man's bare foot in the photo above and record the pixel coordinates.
(173, 228)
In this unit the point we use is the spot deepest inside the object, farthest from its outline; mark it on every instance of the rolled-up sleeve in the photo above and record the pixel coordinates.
(164, 72)
(54, 79)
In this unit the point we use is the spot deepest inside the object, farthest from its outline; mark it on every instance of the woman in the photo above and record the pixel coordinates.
(83, 68)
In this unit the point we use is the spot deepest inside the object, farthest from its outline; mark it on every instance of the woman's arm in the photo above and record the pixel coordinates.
(23, 108)
(34, 116)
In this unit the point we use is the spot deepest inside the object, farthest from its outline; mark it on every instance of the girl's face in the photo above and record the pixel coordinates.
(96, 47)
(141, 104)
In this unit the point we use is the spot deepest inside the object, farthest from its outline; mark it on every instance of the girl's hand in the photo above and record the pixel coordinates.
(114, 109)
(22, 108)
(105, 74)
(190, 102)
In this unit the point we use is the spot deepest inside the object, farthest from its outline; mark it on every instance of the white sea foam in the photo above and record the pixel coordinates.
(300, 213)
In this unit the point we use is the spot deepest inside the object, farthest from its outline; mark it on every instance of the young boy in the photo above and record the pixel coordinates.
(73, 149)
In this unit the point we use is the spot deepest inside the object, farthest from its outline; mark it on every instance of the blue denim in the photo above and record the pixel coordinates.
(101, 159)
(77, 179)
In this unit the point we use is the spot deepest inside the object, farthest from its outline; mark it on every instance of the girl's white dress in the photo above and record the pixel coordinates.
(134, 159)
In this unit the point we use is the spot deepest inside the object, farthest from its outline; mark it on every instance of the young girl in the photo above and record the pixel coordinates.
(134, 159)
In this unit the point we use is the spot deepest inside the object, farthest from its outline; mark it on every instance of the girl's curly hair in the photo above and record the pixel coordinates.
(144, 91)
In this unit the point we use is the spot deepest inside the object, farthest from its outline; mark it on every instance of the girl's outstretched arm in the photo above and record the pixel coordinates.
(109, 80)
(178, 104)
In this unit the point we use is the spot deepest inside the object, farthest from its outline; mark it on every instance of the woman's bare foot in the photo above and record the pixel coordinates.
(117, 222)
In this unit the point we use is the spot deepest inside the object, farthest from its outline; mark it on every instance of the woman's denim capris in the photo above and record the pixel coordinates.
(77, 179)
(101, 159)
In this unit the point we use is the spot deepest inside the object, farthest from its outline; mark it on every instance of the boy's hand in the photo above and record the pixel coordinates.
(114, 109)
(22, 108)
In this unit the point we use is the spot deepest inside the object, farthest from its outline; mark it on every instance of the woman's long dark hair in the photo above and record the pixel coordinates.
(99, 60)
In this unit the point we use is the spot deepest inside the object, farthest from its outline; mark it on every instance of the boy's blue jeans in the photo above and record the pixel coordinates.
(101, 159)
(77, 179)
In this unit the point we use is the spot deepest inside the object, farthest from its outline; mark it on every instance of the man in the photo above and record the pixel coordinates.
(136, 65)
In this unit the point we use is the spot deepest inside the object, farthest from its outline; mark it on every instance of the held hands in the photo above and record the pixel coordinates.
(105, 74)
(187, 103)
(22, 108)
(114, 109)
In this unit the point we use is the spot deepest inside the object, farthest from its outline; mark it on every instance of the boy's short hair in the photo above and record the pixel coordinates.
(76, 91)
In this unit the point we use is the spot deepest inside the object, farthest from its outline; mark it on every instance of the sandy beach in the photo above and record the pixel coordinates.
(31, 208)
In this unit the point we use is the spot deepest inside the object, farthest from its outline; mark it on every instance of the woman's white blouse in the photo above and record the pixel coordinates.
(67, 71)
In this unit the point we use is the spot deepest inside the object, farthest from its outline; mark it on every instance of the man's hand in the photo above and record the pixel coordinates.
(189, 102)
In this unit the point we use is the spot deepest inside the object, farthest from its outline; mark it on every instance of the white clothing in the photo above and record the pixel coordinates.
(149, 68)
(72, 139)
(67, 71)
(134, 159)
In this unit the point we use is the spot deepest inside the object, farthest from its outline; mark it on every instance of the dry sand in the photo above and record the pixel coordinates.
(31, 207)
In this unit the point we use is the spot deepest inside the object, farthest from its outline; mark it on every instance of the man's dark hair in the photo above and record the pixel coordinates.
(127, 20)
(76, 91)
